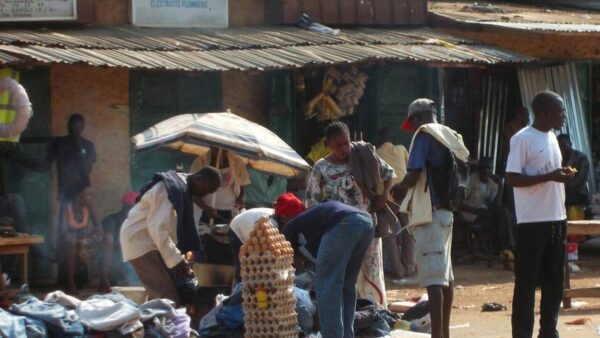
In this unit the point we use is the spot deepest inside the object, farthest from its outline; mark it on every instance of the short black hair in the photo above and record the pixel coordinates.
(485, 161)
(386, 135)
(76, 118)
(336, 128)
(208, 173)
(544, 100)
(564, 137)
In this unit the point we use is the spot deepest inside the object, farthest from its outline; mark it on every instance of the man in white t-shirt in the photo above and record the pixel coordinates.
(534, 170)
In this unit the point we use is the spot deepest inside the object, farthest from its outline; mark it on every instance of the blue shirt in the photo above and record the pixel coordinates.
(315, 222)
(426, 150)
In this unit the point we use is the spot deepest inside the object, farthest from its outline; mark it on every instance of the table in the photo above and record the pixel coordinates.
(588, 227)
(18, 246)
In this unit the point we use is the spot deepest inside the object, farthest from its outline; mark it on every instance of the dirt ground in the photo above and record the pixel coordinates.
(478, 284)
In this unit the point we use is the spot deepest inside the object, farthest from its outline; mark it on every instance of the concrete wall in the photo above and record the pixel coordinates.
(101, 95)
(548, 46)
(246, 95)
(241, 12)
(111, 12)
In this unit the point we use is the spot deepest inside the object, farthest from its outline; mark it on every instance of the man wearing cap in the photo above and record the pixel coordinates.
(287, 207)
(429, 220)
(334, 236)
(112, 262)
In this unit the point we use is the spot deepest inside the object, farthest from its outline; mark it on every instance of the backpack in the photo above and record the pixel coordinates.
(450, 181)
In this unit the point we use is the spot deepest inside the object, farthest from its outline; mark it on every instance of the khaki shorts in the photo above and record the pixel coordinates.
(433, 243)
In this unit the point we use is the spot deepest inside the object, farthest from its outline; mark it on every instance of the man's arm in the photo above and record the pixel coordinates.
(399, 190)
(517, 180)
(159, 222)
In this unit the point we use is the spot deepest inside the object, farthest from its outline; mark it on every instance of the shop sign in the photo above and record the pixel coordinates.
(38, 10)
(180, 13)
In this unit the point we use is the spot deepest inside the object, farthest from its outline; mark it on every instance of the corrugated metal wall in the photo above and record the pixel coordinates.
(562, 80)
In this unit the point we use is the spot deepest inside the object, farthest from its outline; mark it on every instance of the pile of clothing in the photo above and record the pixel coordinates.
(110, 315)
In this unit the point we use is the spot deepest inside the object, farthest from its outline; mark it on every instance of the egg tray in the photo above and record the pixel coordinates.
(279, 327)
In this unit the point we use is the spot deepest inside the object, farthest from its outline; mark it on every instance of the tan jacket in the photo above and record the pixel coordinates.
(417, 203)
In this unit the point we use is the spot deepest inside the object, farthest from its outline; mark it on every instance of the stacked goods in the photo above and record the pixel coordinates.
(268, 277)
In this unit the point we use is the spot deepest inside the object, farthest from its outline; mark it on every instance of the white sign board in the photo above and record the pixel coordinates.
(38, 10)
(180, 13)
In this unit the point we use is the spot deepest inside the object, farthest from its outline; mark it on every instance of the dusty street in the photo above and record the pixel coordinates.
(478, 284)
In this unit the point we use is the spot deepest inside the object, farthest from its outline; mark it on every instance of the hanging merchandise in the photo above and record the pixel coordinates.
(15, 108)
(340, 95)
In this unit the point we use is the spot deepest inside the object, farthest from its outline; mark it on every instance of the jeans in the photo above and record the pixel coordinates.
(539, 260)
(60, 322)
(339, 259)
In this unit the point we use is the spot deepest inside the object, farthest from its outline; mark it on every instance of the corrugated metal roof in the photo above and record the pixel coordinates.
(6, 59)
(244, 48)
(516, 16)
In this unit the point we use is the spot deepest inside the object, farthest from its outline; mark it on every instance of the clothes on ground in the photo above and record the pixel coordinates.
(533, 152)
(19, 326)
(152, 226)
(480, 194)
(263, 189)
(59, 321)
(577, 192)
(372, 320)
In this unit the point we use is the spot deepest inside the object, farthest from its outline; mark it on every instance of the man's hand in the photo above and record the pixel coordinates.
(398, 193)
(561, 175)
(182, 270)
(379, 203)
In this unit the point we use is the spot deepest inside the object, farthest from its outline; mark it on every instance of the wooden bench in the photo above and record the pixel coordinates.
(588, 227)
(18, 246)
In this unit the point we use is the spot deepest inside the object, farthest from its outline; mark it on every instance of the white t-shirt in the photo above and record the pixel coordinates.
(532, 153)
(243, 223)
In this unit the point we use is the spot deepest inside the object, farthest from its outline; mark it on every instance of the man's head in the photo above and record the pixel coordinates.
(386, 135)
(564, 142)
(420, 112)
(128, 200)
(287, 207)
(205, 181)
(76, 125)
(337, 138)
(484, 167)
(548, 110)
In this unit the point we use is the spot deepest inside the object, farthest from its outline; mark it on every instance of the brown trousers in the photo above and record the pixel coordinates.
(153, 273)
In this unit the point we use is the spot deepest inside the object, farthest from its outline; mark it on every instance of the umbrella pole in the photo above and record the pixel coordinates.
(214, 198)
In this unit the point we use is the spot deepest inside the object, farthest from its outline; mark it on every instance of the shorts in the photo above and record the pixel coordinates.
(433, 243)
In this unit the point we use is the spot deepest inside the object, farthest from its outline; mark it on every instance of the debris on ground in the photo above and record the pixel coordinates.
(579, 321)
(493, 307)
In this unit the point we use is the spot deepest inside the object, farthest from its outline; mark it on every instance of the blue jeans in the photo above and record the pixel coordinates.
(341, 252)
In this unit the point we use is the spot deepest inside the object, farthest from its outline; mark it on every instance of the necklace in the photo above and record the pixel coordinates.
(72, 222)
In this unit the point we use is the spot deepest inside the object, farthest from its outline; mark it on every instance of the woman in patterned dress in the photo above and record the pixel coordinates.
(331, 179)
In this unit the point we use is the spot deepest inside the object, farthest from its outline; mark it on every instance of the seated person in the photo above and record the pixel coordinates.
(263, 189)
(83, 236)
(113, 264)
(483, 204)
(287, 206)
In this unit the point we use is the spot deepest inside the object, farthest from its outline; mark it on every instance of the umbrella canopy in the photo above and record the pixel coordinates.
(196, 133)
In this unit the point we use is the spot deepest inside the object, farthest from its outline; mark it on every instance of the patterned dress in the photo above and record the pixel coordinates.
(335, 182)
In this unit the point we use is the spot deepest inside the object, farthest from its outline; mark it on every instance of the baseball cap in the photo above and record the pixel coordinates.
(288, 205)
(416, 107)
(129, 198)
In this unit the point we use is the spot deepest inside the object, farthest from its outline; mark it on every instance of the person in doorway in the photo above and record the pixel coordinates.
(111, 226)
(577, 192)
(220, 207)
(82, 238)
(429, 218)
(482, 205)
(336, 237)
(535, 171)
(74, 156)
(161, 227)
(287, 206)
(342, 176)
(398, 250)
